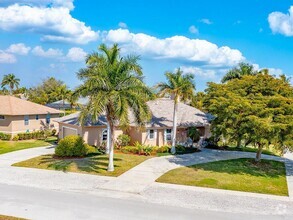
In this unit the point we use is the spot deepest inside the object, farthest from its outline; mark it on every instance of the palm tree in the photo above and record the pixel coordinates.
(237, 72)
(11, 81)
(114, 86)
(181, 87)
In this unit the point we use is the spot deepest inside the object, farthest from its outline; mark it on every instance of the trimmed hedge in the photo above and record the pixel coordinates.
(5, 137)
(73, 146)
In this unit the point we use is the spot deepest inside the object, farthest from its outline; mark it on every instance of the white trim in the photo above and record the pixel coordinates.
(165, 134)
(68, 128)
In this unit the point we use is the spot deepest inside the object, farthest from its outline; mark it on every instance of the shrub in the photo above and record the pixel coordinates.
(122, 140)
(5, 137)
(130, 149)
(194, 134)
(15, 138)
(163, 149)
(72, 146)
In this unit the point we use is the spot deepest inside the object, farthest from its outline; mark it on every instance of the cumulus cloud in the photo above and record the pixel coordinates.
(122, 25)
(51, 3)
(205, 21)
(282, 23)
(200, 72)
(7, 57)
(50, 53)
(193, 29)
(176, 47)
(76, 54)
(52, 23)
(20, 49)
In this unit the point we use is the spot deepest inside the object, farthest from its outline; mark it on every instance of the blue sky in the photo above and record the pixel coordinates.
(41, 38)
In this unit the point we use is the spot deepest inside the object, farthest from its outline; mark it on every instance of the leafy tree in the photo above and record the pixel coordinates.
(114, 86)
(181, 87)
(47, 91)
(255, 108)
(197, 101)
(243, 69)
(11, 81)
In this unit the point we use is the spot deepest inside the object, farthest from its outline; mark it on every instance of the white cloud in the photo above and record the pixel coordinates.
(282, 23)
(52, 3)
(176, 47)
(20, 49)
(199, 72)
(193, 29)
(6, 57)
(76, 54)
(53, 23)
(50, 53)
(206, 21)
(122, 25)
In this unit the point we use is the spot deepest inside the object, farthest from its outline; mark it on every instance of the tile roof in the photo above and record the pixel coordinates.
(10, 105)
(162, 115)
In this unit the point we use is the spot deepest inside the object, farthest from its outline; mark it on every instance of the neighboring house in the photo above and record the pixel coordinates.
(18, 115)
(158, 131)
(64, 104)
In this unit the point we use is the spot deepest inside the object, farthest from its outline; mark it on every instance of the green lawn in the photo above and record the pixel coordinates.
(96, 164)
(268, 177)
(254, 150)
(4, 217)
(9, 146)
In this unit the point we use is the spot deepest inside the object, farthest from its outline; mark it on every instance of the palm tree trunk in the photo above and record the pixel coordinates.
(173, 149)
(108, 139)
(111, 148)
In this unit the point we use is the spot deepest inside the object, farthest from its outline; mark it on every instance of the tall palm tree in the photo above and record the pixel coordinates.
(181, 87)
(114, 86)
(11, 81)
(237, 72)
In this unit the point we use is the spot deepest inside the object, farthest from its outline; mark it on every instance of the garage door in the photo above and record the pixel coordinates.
(69, 131)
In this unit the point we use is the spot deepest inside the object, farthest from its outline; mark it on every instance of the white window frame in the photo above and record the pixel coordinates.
(149, 134)
(165, 134)
(3, 117)
(102, 136)
(48, 117)
(26, 122)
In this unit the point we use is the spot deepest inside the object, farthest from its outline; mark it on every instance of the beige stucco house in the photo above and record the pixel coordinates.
(158, 131)
(18, 115)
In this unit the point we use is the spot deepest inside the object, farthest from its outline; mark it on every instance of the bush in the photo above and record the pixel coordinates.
(130, 149)
(15, 138)
(73, 146)
(180, 149)
(5, 137)
(194, 134)
(122, 140)
(163, 149)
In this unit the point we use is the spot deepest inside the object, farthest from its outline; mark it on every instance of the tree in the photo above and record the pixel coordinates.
(11, 81)
(46, 92)
(114, 86)
(243, 69)
(181, 87)
(255, 108)
(197, 101)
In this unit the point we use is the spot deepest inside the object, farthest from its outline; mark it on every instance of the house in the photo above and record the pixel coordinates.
(18, 115)
(158, 131)
(64, 104)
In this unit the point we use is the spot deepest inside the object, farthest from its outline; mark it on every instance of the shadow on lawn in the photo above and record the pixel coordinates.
(94, 163)
(265, 168)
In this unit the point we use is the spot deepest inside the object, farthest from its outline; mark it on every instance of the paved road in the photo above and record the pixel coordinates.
(33, 203)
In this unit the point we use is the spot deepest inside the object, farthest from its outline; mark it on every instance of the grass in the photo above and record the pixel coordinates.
(4, 217)
(254, 150)
(95, 164)
(267, 177)
(9, 146)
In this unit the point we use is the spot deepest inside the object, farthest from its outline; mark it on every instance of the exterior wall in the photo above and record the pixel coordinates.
(6, 124)
(135, 135)
(15, 124)
(61, 126)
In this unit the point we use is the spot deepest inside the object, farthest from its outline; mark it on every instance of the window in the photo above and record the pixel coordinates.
(26, 120)
(48, 119)
(105, 135)
(2, 117)
(168, 134)
(37, 117)
(151, 134)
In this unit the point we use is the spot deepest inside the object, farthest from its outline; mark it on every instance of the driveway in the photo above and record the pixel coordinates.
(139, 183)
